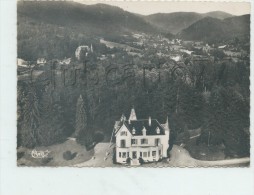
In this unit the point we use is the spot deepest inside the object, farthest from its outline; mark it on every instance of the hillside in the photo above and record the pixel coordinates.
(102, 17)
(217, 14)
(211, 29)
(175, 22)
(55, 29)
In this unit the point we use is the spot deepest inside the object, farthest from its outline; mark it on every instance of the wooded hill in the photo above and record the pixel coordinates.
(56, 29)
(215, 30)
(178, 21)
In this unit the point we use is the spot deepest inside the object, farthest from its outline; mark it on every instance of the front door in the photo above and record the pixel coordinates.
(134, 155)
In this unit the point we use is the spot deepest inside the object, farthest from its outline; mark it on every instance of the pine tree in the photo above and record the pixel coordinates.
(82, 133)
(52, 125)
(81, 118)
(31, 117)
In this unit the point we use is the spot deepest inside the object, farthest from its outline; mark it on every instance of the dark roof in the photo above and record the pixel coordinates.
(140, 124)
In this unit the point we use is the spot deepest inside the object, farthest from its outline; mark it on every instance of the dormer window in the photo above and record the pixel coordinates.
(158, 130)
(133, 131)
(144, 131)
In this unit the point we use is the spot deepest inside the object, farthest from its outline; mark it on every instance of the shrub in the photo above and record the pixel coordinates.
(141, 160)
(46, 160)
(114, 156)
(128, 160)
(20, 155)
(98, 137)
(68, 155)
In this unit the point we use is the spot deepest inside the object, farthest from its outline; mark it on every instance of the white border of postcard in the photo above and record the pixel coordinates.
(107, 181)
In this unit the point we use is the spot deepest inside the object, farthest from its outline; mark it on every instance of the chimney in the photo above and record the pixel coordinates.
(166, 125)
(123, 118)
(149, 121)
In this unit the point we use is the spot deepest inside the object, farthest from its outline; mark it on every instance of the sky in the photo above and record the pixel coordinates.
(151, 7)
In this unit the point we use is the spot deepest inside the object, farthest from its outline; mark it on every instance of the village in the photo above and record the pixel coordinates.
(174, 49)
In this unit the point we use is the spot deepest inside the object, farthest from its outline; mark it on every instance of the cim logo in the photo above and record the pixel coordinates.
(40, 154)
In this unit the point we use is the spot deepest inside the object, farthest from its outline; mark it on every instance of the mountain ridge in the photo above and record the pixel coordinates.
(176, 21)
(209, 28)
(56, 29)
(72, 14)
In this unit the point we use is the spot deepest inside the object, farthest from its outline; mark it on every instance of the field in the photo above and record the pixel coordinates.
(118, 45)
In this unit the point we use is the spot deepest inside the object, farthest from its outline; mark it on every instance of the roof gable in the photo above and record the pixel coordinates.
(123, 127)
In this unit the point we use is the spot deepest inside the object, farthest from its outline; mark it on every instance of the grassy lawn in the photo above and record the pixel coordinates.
(204, 152)
(179, 157)
(65, 154)
(201, 151)
(101, 156)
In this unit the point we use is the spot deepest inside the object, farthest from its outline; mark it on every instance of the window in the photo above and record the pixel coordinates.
(158, 130)
(123, 133)
(122, 143)
(157, 141)
(144, 141)
(153, 153)
(145, 154)
(140, 154)
(148, 154)
(124, 154)
(134, 141)
(128, 154)
(119, 154)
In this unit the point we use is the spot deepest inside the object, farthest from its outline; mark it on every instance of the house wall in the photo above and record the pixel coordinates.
(149, 147)
(148, 150)
(120, 137)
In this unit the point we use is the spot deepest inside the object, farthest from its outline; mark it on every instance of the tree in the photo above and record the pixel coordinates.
(81, 131)
(81, 118)
(31, 117)
(52, 124)
(218, 54)
(98, 137)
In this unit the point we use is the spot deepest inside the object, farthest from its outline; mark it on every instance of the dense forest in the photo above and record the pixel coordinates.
(213, 96)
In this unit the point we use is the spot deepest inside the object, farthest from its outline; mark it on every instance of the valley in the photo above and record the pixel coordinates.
(92, 63)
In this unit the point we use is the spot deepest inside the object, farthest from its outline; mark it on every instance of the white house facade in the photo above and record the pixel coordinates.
(144, 139)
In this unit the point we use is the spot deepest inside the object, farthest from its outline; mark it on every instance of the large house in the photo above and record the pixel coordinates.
(143, 140)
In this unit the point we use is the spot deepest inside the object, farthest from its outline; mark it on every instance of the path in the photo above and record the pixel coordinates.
(180, 157)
